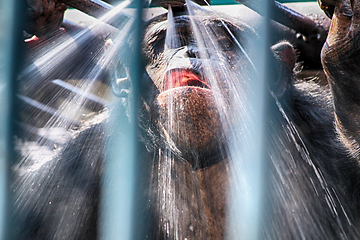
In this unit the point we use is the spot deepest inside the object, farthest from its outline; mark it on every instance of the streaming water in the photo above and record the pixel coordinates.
(163, 174)
(67, 83)
(242, 109)
(171, 41)
(81, 59)
(64, 88)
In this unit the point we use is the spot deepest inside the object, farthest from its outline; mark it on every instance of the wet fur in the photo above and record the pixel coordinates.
(301, 205)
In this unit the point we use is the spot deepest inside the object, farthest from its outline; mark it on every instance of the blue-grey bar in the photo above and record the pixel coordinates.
(118, 205)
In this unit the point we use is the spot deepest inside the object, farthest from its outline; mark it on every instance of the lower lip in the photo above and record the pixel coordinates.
(182, 78)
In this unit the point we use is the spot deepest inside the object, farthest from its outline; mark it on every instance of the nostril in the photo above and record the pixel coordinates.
(191, 53)
(200, 53)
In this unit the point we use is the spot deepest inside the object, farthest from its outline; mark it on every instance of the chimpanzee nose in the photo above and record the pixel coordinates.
(190, 57)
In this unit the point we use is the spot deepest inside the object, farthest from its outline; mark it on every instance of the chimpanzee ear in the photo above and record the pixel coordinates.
(285, 61)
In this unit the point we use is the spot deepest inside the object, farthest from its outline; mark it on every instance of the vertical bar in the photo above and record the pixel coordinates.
(118, 206)
(248, 183)
(5, 27)
(10, 59)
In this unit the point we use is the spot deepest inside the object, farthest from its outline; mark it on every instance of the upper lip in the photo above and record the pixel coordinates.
(183, 77)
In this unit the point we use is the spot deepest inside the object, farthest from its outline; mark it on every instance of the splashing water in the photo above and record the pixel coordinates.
(55, 63)
(228, 87)
(58, 92)
(244, 139)
(171, 41)
(315, 180)
(66, 88)
(233, 37)
(247, 176)
(237, 87)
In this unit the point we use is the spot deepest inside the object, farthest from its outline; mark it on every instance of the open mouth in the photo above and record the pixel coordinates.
(183, 77)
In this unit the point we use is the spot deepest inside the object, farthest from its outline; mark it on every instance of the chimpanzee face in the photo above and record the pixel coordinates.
(187, 56)
(188, 73)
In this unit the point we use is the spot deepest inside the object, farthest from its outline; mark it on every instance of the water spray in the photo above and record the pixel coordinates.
(175, 3)
(98, 8)
(288, 17)
(279, 13)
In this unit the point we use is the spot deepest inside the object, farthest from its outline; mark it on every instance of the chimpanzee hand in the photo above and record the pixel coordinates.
(341, 62)
(45, 16)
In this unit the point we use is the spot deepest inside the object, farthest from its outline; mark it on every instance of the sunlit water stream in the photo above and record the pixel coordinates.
(52, 116)
(66, 79)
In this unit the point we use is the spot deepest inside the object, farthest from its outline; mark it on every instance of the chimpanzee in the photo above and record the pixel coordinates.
(312, 142)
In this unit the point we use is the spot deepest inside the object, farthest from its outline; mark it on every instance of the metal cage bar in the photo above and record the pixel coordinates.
(10, 61)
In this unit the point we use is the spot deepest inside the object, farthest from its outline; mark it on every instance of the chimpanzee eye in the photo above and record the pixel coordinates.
(156, 42)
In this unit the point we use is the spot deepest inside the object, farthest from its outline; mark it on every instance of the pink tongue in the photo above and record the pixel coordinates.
(182, 78)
